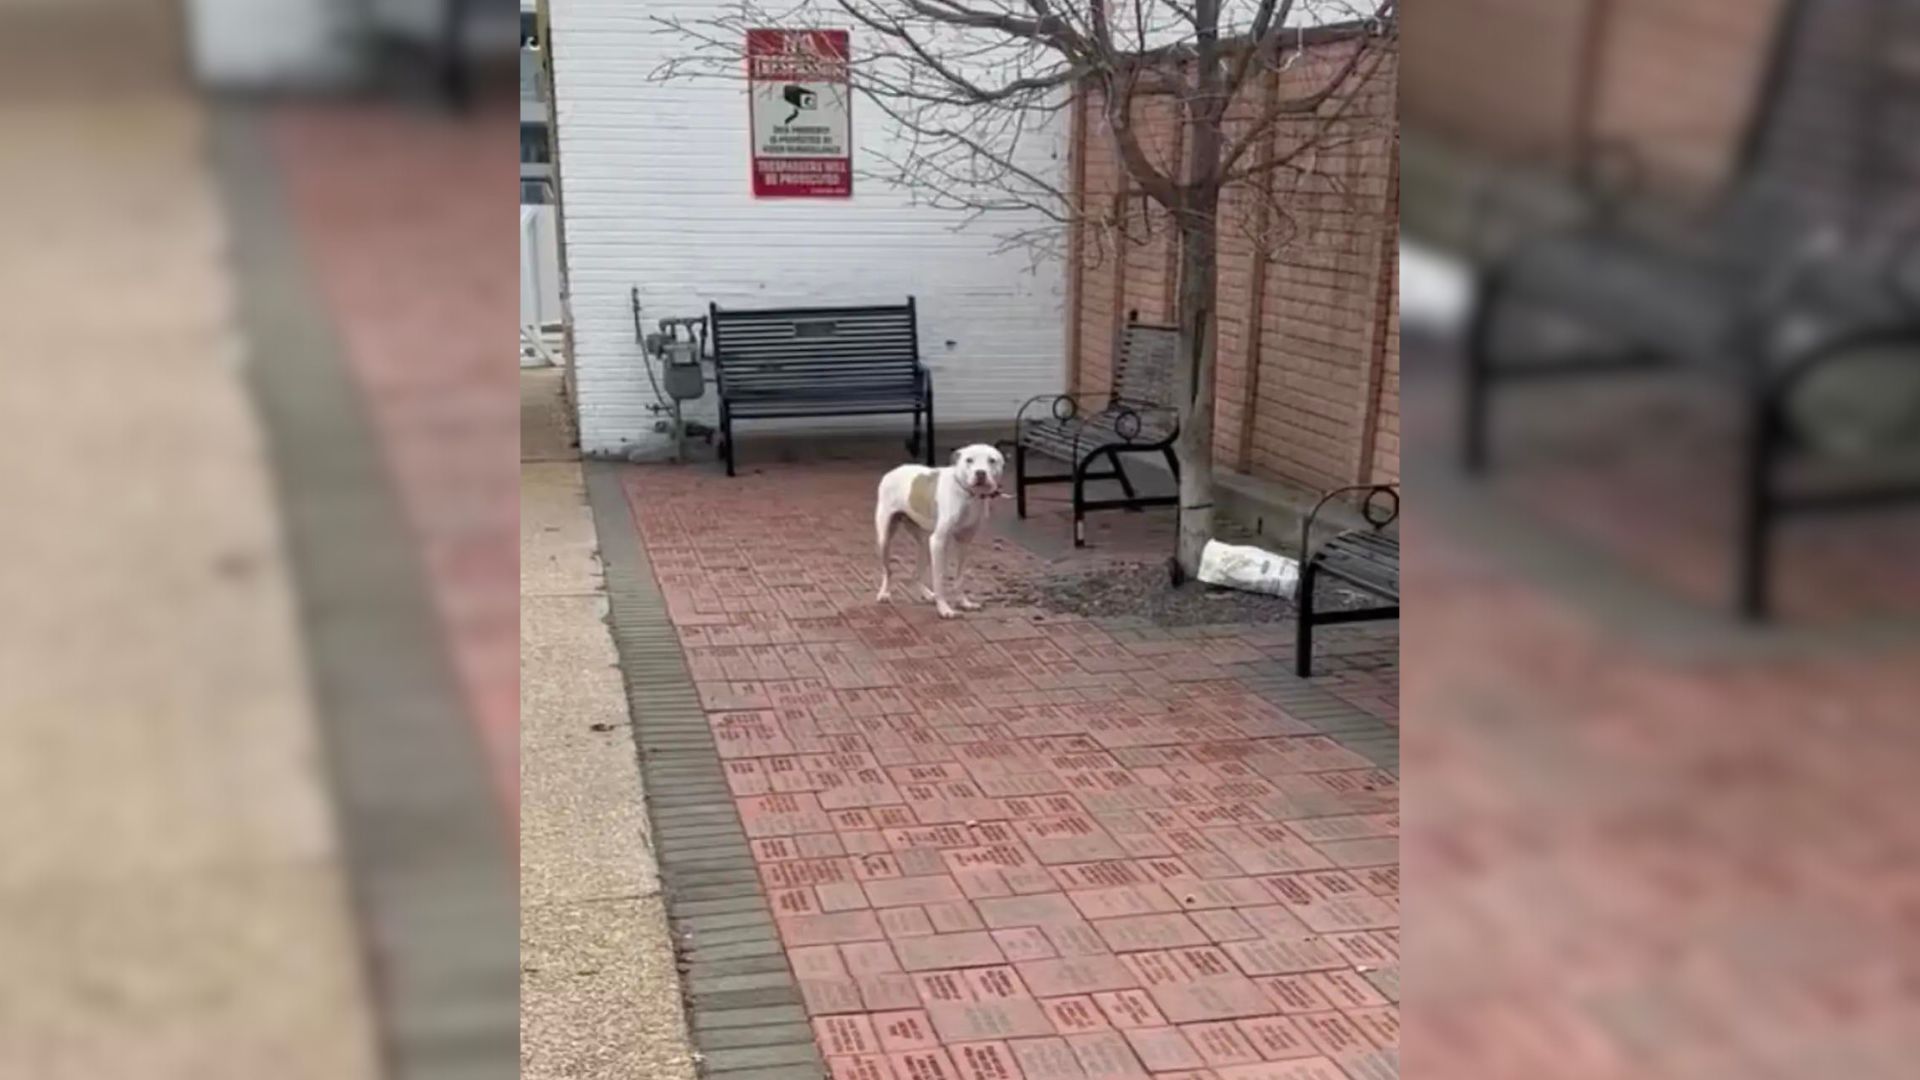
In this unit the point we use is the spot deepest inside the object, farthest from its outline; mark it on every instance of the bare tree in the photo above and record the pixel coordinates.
(971, 88)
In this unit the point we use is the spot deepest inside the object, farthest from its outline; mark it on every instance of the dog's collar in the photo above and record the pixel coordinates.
(968, 491)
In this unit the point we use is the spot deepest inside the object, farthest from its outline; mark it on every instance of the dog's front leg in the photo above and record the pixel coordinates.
(938, 547)
(922, 576)
(960, 578)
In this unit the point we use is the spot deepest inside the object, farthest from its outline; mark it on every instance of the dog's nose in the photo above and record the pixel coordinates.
(979, 476)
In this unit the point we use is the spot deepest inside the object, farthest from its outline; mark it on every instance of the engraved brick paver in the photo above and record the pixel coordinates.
(824, 929)
(1276, 1038)
(1106, 1055)
(880, 993)
(1310, 1068)
(938, 986)
(1138, 933)
(1129, 1009)
(948, 951)
(899, 891)
(1024, 943)
(1040, 909)
(989, 983)
(1072, 1015)
(1163, 1049)
(1221, 1044)
(1026, 846)
(859, 1067)
(1221, 997)
(973, 1021)
(1046, 1059)
(1076, 975)
(845, 1035)
(930, 1064)
(985, 1061)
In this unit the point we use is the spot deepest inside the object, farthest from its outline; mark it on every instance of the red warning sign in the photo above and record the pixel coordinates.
(800, 94)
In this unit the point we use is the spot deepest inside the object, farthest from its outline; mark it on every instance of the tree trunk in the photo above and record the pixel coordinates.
(1199, 334)
(1196, 216)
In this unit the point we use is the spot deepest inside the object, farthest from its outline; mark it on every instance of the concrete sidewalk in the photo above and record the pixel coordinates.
(172, 899)
(599, 993)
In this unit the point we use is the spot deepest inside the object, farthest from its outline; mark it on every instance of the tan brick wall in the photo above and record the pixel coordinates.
(1386, 433)
(1675, 79)
(1386, 444)
(1500, 74)
(1308, 365)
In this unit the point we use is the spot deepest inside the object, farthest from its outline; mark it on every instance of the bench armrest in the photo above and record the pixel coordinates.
(1813, 254)
(1063, 406)
(1367, 511)
(1615, 174)
(1127, 421)
(1498, 227)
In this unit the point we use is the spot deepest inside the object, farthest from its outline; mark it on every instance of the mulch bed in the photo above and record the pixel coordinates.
(1141, 590)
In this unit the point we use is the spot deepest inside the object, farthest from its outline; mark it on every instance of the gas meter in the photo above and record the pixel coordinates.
(680, 357)
(678, 347)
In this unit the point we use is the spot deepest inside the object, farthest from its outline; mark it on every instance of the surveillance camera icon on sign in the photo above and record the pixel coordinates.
(801, 98)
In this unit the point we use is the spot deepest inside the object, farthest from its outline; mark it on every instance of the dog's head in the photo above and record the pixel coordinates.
(978, 468)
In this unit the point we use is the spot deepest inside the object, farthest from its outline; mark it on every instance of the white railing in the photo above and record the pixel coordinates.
(539, 284)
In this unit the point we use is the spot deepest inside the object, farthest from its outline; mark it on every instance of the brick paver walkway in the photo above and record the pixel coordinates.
(1645, 853)
(382, 198)
(1015, 845)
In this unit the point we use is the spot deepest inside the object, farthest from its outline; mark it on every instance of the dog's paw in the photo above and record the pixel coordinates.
(969, 605)
(946, 612)
(883, 596)
(928, 594)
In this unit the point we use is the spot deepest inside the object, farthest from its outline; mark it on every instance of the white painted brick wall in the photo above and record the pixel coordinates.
(250, 44)
(658, 195)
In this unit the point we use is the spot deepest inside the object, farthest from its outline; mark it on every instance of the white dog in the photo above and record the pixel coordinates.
(941, 509)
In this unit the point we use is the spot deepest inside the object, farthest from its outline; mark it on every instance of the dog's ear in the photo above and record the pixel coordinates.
(954, 458)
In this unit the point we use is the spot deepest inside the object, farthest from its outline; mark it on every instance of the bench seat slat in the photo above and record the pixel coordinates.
(1367, 561)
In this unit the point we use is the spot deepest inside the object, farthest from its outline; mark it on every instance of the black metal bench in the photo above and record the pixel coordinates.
(450, 40)
(1800, 287)
(828, 361)
(1136, 419)
(1366, 559)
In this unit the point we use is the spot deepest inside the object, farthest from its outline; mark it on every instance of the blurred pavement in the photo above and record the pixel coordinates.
(1649, 842)
(172, 898)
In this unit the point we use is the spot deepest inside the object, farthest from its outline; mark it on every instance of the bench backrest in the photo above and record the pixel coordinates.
(1838, 118)
(814, 348)
(1143, 365)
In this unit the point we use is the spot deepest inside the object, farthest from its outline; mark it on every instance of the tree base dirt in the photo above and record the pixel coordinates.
(1141, 591)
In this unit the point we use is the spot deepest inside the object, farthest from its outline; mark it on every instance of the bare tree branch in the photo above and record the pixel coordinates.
(1304, 103)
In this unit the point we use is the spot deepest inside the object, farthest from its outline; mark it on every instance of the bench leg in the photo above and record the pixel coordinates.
(450, 63)
(1173, 464)
(726, 438)
(1303, 639)
(1019, 477)
(1080, 500)
(930, 437)
(1756, 512)
(913, 441)
(1120, 474)
(1476, 395)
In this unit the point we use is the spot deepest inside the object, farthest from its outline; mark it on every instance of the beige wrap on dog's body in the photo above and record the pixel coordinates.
(923, 506)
